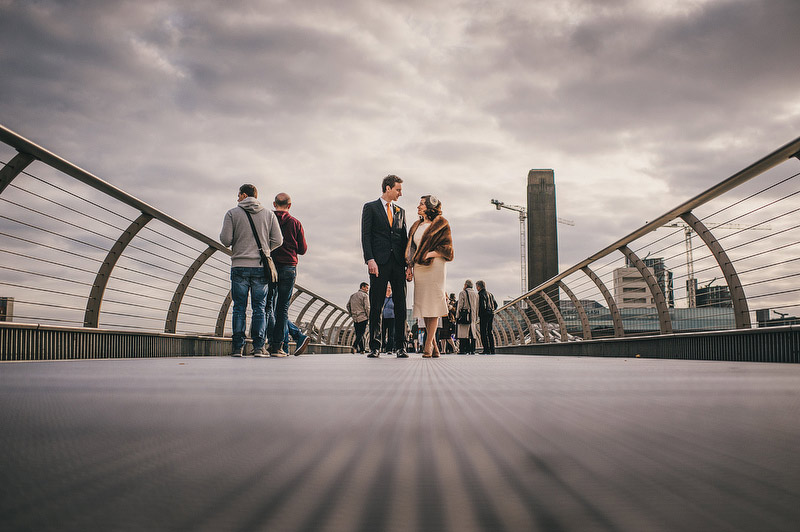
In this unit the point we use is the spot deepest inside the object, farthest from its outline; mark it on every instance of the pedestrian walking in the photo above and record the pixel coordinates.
(252, 232)
(358, 307)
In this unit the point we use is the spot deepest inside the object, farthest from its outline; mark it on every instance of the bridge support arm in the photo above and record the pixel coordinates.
(587, 329)
(562, 326)
(177, 297)
(92, 316)
(14, 167)
(664, 320)
(619, 330)
(542, 322)
(740, 308)
(518, 306)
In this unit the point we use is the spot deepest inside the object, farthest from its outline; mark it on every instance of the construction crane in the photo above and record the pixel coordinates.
(691, 286)
(523, 242)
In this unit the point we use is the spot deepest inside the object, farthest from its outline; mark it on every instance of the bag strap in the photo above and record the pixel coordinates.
(255, 234)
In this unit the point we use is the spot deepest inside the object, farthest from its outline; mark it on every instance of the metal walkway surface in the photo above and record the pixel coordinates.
(341, 442)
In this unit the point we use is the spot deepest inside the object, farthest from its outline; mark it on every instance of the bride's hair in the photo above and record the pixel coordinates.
(433, 207)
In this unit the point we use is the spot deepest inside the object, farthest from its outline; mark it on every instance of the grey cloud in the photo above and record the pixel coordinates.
(663, 79)
(180, 102)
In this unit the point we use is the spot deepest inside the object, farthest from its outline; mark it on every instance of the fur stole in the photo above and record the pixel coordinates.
(436, 238)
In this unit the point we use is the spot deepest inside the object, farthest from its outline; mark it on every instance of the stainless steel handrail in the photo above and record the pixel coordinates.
(682, 212)
(29, 152)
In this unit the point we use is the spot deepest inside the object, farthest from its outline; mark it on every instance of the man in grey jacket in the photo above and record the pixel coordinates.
(247, 271)
(358, 307)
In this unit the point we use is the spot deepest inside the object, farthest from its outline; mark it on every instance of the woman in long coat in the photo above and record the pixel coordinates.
(467, 332)
(430, 246)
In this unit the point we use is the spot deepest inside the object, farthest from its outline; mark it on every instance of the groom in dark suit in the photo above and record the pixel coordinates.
(383, 239)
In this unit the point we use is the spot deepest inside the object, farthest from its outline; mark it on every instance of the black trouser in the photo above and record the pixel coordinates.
(487, 333)
(467, 345)
(360, 327)
(387, 333)
(392, 273)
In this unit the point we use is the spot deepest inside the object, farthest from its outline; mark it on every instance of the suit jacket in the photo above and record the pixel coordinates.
(378, 240)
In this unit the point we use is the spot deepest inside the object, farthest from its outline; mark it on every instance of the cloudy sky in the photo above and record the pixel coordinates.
(637, 106)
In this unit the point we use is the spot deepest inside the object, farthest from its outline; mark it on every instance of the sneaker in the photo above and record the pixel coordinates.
(278, 353)
(401, 353)
(374, 354)
(260, 353)
(236, 352)
(302, 345)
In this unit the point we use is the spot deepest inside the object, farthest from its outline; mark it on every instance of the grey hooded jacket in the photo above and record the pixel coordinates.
(237, 234)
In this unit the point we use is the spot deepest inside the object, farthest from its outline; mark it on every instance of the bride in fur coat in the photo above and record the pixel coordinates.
(430, 246)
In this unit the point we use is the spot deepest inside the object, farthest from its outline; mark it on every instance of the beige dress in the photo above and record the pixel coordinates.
(430, 297)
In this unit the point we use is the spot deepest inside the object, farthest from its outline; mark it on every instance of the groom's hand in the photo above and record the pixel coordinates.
(372, 267)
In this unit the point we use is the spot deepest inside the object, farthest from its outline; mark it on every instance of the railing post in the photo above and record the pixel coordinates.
(222, 315)
(562, 326)
(524, 315)
(92, 316)
(14, 167)
(619, 330)
(508, 332)
(587, 329)
(664, 320)
(325, 322)
(542, 323)
(519, 327)
(177, 297)
(741, 311)
(313, 321)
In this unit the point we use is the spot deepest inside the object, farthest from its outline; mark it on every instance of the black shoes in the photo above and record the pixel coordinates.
(401, 353)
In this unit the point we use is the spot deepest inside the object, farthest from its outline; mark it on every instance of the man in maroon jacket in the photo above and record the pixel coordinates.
(285, 257)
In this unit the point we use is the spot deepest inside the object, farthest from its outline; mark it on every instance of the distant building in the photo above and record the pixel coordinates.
(764, 319)
(542, 231)
(631, 290)
(646, 320)
(713, 296)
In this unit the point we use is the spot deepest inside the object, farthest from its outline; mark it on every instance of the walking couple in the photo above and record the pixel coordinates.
(395, 256)
(265, 245)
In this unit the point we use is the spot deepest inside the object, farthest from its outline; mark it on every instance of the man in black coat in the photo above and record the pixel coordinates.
(486, 307)
(383, 240)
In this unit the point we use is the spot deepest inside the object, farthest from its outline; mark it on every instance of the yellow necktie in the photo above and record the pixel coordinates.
(389, 212)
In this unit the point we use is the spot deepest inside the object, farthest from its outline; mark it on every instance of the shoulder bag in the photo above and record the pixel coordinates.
(270, 272)
(465, 314)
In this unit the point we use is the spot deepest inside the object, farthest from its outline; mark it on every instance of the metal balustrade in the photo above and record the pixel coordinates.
(724, 260)
(89, 270)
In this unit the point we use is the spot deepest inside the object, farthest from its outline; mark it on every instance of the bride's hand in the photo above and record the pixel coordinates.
(431, 255)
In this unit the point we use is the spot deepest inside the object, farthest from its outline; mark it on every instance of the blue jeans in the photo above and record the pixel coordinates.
(283, 293)
(249, 282)
(291, 329)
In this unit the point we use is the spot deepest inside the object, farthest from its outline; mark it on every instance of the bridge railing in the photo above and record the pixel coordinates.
(727, 259)
(79, 254)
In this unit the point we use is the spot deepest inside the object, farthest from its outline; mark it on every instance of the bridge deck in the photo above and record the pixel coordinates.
(340, 442)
